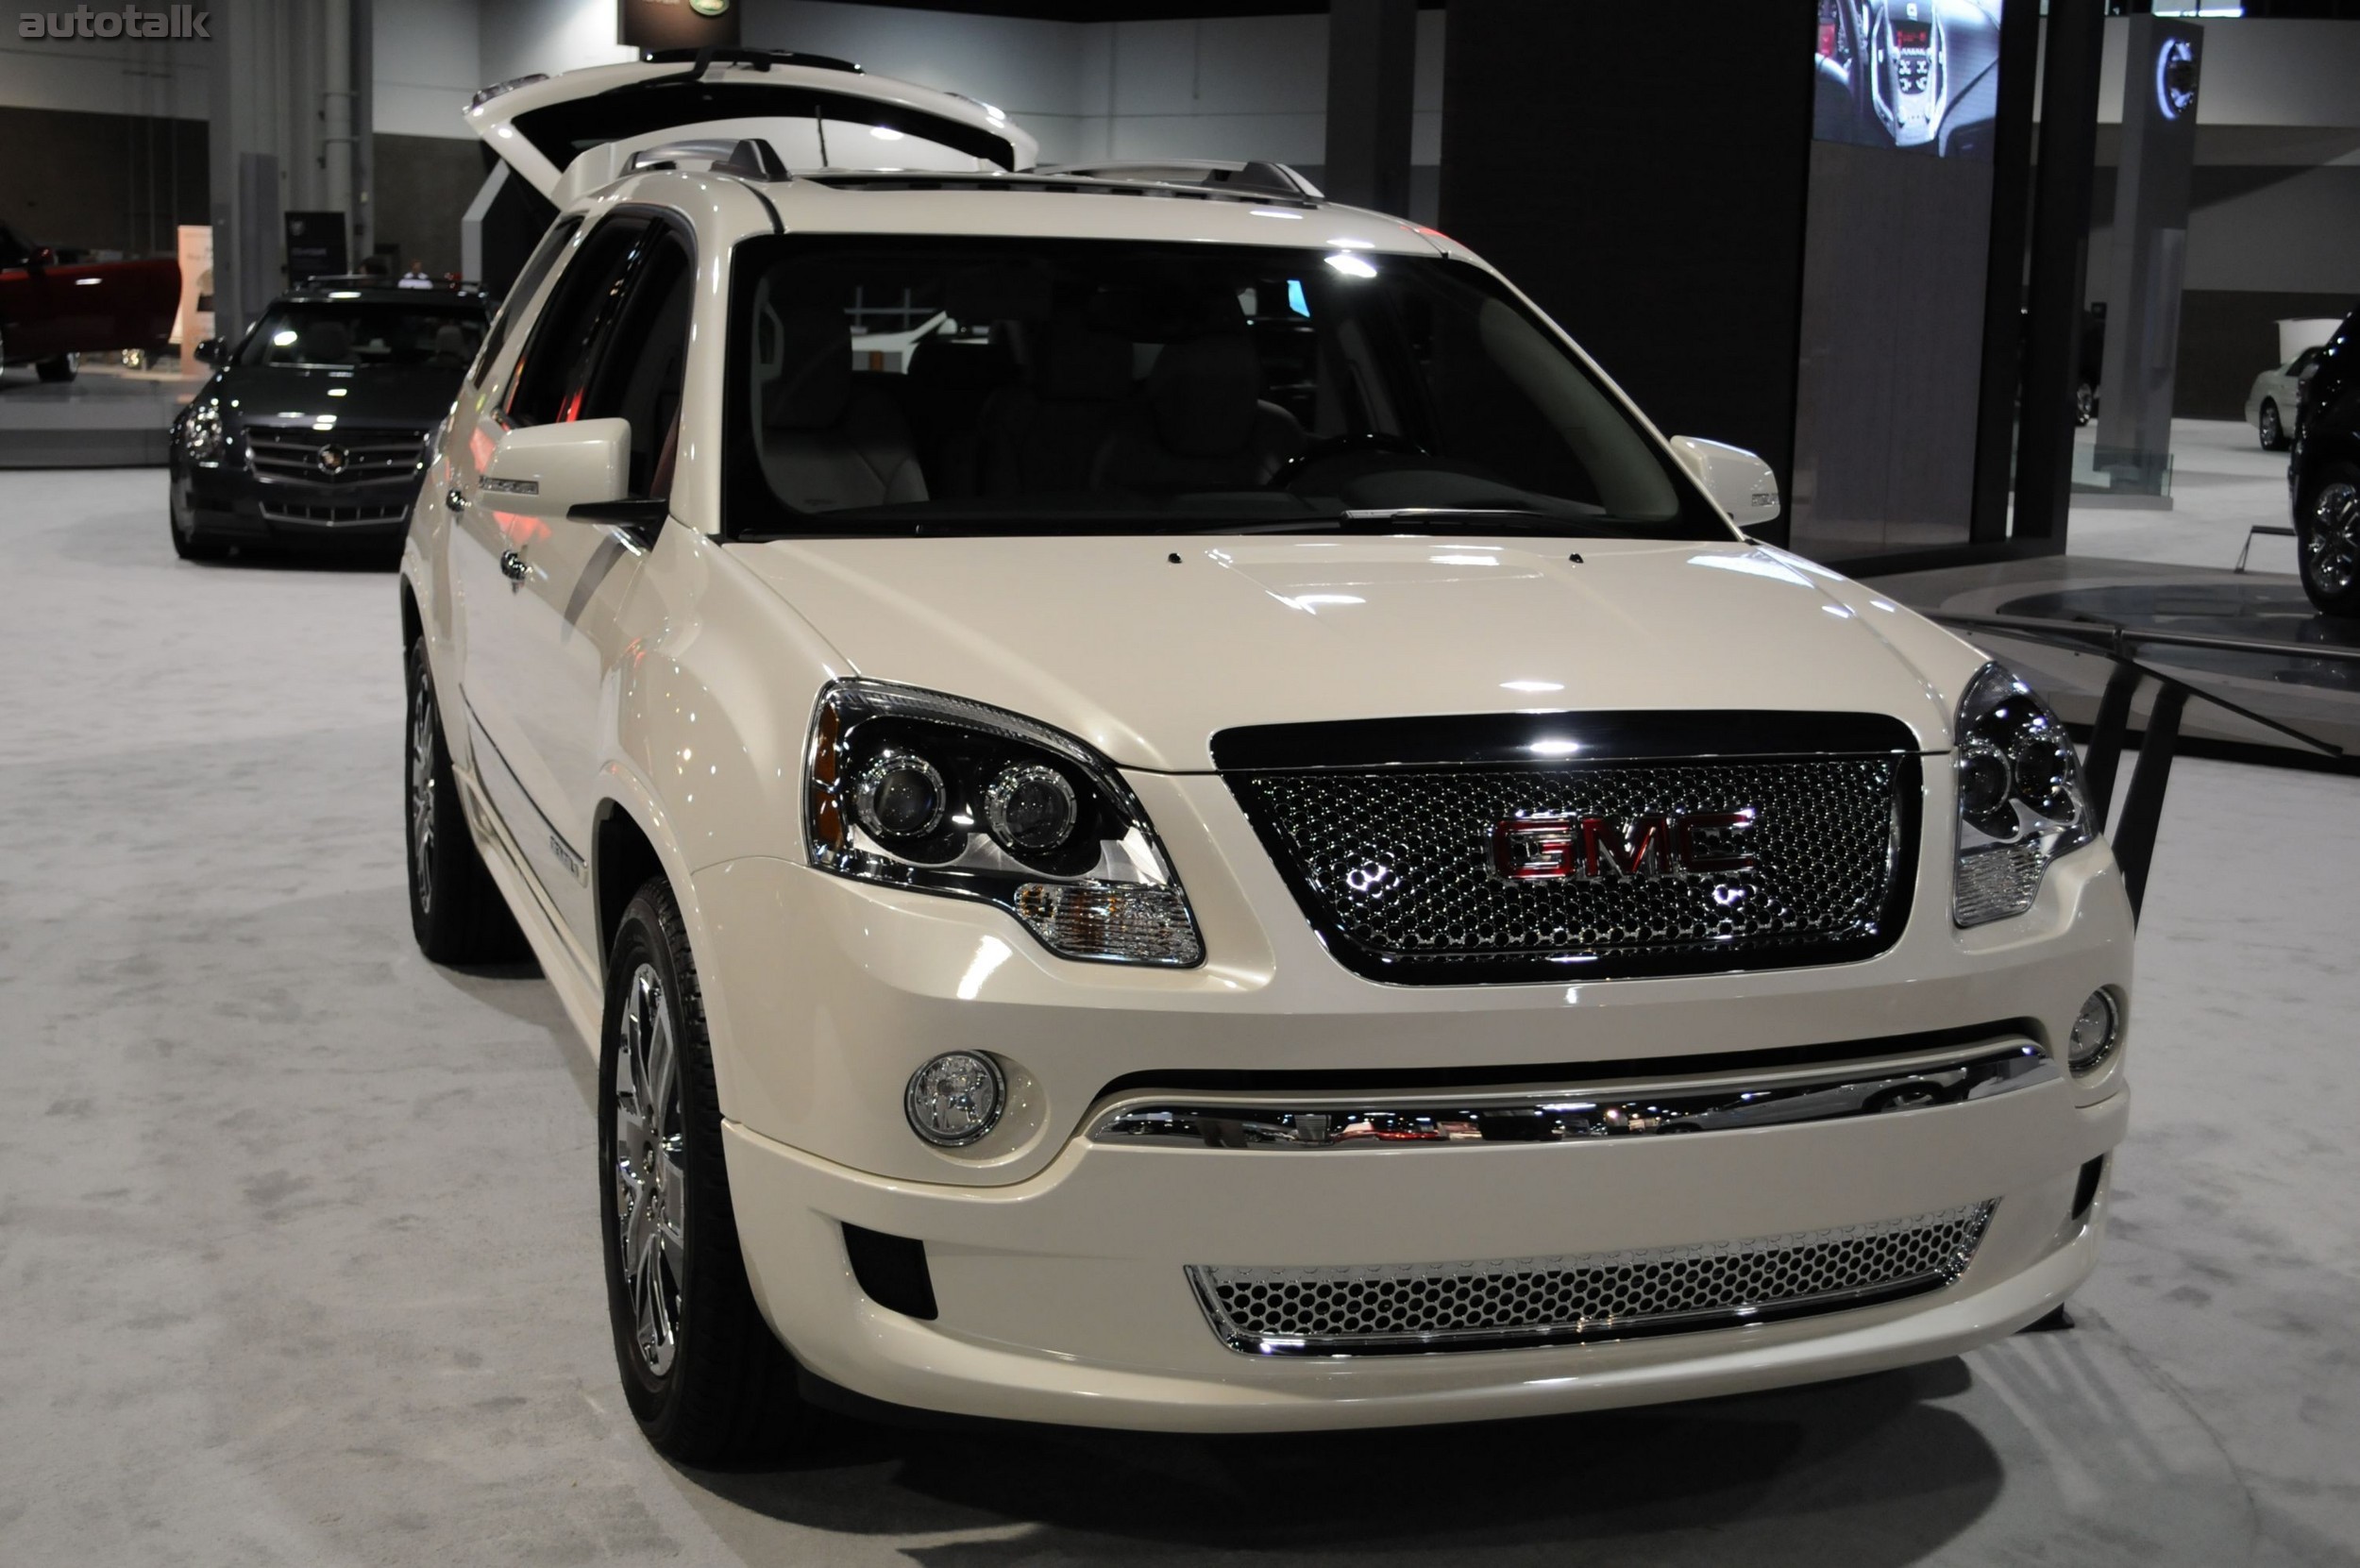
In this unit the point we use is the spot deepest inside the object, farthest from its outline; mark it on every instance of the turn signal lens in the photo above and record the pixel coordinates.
(955, 1099)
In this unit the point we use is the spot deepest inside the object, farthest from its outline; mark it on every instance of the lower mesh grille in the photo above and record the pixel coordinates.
(1396, 1308)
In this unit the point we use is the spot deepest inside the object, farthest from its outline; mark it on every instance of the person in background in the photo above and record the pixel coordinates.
(417, 277)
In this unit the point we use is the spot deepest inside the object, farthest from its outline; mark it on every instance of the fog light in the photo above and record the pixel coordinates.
(2094, 1032)
(955, 1099)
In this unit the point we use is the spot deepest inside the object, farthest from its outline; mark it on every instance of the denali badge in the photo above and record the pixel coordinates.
(1538, 849)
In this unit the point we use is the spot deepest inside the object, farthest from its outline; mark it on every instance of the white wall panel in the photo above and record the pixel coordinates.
(428, 63)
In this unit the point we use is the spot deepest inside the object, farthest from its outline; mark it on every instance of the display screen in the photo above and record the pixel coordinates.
(1918, 76)
(1896, 244)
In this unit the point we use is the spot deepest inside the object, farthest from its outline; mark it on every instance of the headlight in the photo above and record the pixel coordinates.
(201, 433)
(2020, 799)
(915, 789)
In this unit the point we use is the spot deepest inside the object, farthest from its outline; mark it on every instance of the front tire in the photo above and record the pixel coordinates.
(62, 367)
(189, 540)
(456, 912)
(2273, 431)
(706, 1379)
(2327, 539)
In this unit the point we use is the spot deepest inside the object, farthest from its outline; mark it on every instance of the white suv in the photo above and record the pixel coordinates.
(1166, 811)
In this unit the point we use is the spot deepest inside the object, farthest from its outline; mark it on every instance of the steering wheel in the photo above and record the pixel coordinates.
(1327, 448)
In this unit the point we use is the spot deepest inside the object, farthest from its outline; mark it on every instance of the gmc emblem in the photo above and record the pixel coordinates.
(1586, 848)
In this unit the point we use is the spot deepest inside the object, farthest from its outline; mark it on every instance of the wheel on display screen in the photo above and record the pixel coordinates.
(705, 1376)
(2273, 432)
(60, 367)
(456, 912)
(2327, 529)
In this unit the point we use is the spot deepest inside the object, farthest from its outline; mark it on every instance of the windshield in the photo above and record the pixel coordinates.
(882, 384)
(340, 335)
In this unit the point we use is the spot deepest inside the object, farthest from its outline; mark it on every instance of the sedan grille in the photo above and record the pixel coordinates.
(1407, 1308)
(1401, 869)
(334, 457)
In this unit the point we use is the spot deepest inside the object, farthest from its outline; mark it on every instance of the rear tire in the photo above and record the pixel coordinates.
(2273, 431)
(706, 1379)
(456, 912)
(2327, 539)
(63, 367)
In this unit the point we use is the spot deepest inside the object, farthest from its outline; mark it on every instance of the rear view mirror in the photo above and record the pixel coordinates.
(1739, 481)
(547, 470)
(211, 351)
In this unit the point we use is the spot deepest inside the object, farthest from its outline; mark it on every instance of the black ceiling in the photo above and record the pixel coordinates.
(1123, 10)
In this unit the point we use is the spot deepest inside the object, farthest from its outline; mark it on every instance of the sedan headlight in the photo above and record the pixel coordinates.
(200, 433)
(2021, 803)
(915, 789)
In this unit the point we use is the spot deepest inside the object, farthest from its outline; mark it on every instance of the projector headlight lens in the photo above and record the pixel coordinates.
(955, 1099)
(2096, 1032)
(2021, 803)
(940, 795)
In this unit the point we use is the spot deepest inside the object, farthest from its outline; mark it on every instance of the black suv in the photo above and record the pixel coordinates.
(2323, 476)
(313, 429)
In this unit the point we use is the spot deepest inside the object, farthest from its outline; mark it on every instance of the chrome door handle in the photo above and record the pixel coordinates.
(455, 498)
(512, 566)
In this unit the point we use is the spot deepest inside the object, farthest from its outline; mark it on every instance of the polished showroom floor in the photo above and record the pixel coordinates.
(297, 1229)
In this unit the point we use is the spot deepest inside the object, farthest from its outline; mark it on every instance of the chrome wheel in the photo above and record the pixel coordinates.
(2331, 544)
(2272, 433)
(650, 1182)
(422, 723)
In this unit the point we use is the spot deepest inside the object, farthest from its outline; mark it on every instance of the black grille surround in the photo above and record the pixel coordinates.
(1387, 845)
(292, 452)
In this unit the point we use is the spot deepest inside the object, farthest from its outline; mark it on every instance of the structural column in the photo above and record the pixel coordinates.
(2060, 269)
(1371, 61)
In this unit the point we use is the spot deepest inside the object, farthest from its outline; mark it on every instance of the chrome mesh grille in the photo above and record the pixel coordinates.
(1393, 1308)
(1394, 866)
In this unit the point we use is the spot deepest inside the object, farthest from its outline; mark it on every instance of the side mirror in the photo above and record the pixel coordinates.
(1740, 483)
(547, 470)
(43, 257)
(212, 351)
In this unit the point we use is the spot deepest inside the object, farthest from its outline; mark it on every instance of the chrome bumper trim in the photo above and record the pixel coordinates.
(1558, 1114)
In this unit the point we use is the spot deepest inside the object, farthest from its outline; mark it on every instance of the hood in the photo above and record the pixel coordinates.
(1146, 647)
(412, 397)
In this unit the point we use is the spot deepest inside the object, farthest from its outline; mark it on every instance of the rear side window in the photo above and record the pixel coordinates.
(553, 374)
(528, 283)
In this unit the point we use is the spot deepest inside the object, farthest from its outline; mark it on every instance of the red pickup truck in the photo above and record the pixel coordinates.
(51, 313)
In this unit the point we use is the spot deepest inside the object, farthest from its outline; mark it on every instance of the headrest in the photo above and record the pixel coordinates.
(982, 295)
(327, 340)
(1203, 393)
(1073, 363)
(450, 342)
(811, 346)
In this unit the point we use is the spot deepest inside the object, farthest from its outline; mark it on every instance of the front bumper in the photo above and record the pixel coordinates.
(1063, 1299)
(226, 503)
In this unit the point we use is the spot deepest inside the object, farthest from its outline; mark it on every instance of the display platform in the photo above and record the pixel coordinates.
(103, 418)
(2287, 666)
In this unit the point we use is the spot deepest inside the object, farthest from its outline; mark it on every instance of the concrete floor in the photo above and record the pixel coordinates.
(298, 1230)
(2223, 484)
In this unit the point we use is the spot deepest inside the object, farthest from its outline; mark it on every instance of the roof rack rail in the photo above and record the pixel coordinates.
(1054, 180)
(748, 158)
(761, 60)
(1230, 174)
